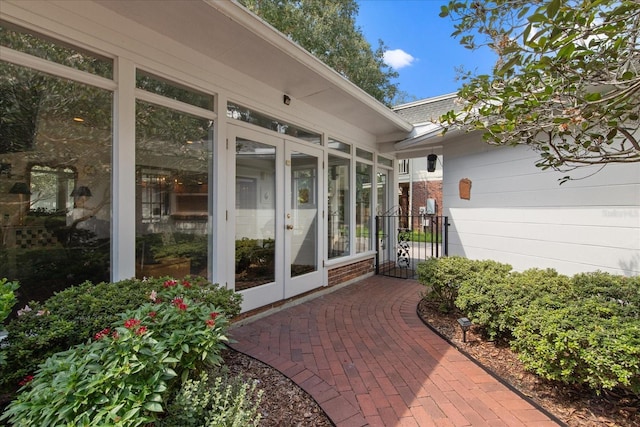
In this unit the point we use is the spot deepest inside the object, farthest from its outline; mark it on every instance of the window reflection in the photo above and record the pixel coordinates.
(51, 189)
(173, 156)
(363, 207)
(50, 239)
(338, 202)
(255, 214)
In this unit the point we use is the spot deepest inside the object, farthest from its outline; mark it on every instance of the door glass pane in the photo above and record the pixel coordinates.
(304, 213)
(363, 207)
(382, 193)
(338, 202)
(173, 156)
(255, 213)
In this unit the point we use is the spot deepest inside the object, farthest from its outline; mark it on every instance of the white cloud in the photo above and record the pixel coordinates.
(398, 58)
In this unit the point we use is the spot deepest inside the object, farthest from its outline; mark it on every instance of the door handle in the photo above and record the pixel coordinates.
(289, 227)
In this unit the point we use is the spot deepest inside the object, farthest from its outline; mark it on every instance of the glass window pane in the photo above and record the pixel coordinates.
(55, 136)
(255, 213)
(382, 199)
(304, 213)
(363, 207)
(173, 156)
(385, 162)
(160, 86)
(340, 146)
(338, 195)
(26, 41)
(364, 154)
(245, 114)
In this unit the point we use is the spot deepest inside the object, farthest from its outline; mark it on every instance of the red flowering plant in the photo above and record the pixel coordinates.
(126, 370)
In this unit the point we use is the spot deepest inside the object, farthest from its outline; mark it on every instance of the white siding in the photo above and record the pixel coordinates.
(521, 215)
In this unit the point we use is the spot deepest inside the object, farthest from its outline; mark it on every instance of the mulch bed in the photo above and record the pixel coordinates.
(573, 405)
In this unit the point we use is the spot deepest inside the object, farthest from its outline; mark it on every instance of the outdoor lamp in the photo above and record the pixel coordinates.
(431, 162)
(465, 324)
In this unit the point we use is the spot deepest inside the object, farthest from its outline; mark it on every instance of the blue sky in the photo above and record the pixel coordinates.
(420, 45)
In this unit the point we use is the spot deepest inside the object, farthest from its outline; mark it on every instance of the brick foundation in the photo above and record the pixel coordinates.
(337, 276)
(349, 272)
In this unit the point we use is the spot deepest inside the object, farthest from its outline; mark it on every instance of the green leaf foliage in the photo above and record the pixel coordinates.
(443, 277)
(7, 297)
(219, 402)
(565, 75)
(123, 375)
(582, 330)
(73, 315)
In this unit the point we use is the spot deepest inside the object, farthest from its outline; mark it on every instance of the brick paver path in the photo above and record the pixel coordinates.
(365, 356)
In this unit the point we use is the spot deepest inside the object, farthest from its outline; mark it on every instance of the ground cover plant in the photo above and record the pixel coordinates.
(582, 330)
(133, 365)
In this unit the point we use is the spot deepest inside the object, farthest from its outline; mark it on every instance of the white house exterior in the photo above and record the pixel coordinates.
(501, 207)
(521, 215)
(183, 137)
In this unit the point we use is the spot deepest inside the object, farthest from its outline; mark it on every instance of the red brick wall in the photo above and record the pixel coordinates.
(352, 271)
(423, 190)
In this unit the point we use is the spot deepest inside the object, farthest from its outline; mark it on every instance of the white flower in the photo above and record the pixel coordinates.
(24, 310)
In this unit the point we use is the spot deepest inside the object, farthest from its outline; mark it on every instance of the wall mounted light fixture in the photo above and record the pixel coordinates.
(286, 99)
(431, 162)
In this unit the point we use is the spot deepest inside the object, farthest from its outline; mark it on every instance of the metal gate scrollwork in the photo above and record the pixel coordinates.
(403, 241)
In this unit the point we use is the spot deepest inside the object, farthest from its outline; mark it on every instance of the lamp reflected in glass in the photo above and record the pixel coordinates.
(82, 191)
(21, 189)
(80, 195)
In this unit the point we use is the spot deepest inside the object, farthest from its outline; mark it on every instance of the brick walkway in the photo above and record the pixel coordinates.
(368, 360)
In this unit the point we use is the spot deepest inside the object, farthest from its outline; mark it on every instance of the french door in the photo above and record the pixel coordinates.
(276, 216)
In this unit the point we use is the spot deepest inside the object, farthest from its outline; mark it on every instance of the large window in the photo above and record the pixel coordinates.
(339, 206)
(55, 185)
(173, 157)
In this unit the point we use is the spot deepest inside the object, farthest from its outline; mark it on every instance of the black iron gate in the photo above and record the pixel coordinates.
(405, 240)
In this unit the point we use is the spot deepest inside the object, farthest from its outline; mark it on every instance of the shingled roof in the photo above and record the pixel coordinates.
(429, 109)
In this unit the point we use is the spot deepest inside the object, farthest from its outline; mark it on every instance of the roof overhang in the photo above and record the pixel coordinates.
(234, 36)
(424, 139)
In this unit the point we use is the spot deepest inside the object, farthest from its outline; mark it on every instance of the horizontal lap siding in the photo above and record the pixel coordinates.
(520, 214)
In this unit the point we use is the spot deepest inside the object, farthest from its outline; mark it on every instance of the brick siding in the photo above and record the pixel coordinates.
(349, 272)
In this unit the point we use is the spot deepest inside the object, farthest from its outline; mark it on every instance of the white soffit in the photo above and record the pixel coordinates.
(230, 34)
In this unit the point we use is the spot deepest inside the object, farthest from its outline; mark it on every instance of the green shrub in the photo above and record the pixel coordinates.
(623, 290)
(7, 298)
(7, 301)
(122, 376)
(222, 401)
(75, 314)
(497, 299)
(586, 340)
(443, 277)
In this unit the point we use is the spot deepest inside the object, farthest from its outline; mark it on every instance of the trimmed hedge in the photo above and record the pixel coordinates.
(443, 277)
(498, 299)
(582, 330)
